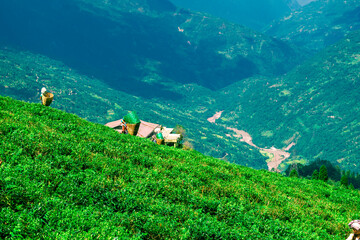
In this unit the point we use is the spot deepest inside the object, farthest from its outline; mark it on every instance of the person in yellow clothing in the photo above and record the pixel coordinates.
(355, 226)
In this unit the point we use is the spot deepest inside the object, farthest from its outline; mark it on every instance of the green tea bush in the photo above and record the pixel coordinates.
(62, 177)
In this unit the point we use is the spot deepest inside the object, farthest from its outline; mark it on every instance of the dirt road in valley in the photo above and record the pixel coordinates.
(278, 154)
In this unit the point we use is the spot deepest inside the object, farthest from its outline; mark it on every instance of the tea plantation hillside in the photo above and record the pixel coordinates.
(62, 177)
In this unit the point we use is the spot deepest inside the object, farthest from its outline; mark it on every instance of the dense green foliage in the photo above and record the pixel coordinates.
(334, 173)
(294, 173)
(315, 175)
(64, 177)
(344, 181)
(323, 174)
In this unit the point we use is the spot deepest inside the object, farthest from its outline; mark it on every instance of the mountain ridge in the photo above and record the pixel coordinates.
(256, 14)
(324, 22)
(116, 46)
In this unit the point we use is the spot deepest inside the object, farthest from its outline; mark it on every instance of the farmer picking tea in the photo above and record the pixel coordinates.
(46, 97)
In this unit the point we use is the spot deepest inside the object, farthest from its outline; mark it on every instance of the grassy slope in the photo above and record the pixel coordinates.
(64, 177)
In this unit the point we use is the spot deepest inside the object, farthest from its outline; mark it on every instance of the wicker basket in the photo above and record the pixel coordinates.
(160, 141)
(47, 98)
(133, 128)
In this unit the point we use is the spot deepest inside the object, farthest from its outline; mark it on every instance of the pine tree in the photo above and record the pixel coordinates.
(323, 175)
(344, 180)
(351, 186)
(294, 173)
(315, 175)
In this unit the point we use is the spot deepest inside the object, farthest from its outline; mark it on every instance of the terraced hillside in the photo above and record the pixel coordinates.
(64, 177)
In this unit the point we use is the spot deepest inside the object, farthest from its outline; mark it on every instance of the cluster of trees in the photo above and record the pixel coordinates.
(324, 170)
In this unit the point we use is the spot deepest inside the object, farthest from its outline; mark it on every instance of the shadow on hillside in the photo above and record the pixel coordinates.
(121, 53)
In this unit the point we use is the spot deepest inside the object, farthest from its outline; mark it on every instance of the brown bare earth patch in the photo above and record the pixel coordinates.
(215, 117)
(279, 154)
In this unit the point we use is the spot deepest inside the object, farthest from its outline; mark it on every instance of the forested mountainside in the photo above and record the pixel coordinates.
(318, 24)
(23, 74)
(63, 177)
(315, 107)
(140, 47)
(254, 14)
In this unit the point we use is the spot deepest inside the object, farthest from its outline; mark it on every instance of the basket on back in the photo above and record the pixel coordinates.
(132, 122)
(47, 98)
(132, 128)
(159, 141)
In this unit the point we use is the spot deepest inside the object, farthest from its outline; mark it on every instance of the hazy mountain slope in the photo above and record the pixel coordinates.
(138, 50)
(318, 24)
(254, 14)
(326, 101)
(64, 177)
(147, 7)
(315, 106)
(23, 74)
(304, 2)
